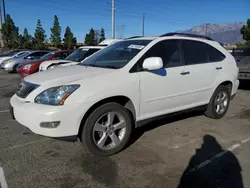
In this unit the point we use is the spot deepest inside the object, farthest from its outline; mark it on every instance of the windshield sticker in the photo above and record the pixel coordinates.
(85, 49)
(134, 46)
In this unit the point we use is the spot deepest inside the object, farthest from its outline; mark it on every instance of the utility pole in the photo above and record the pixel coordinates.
(143, 20)
(120, 31)
(113, 19)
(1, 36)
(4, 13)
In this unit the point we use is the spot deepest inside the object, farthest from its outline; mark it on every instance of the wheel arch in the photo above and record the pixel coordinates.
(120, 99)
(228, 84)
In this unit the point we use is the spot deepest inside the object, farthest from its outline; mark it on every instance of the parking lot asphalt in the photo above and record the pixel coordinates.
(182, 150)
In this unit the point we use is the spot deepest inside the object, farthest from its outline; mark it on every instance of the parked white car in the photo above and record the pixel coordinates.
(73, 59)
(101, 100)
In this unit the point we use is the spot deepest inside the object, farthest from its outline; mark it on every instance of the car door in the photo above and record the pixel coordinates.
(165, 90)
(204, 67)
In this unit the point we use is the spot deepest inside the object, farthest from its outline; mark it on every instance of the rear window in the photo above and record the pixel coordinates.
(214, 55)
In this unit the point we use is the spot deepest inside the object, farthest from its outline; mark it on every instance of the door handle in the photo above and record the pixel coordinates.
(218, 68)
(185, 73)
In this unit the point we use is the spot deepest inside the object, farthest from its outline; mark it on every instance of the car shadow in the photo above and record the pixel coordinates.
(212, 167)
(153, 123)
(244, 84)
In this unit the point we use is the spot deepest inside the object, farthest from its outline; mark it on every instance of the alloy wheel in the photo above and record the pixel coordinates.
(109, 130)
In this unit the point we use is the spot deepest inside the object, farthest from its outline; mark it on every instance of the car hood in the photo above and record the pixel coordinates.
(61, 76)
(49, 62)
(33, 62)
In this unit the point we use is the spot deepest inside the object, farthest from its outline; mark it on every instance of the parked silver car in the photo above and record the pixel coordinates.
(12, 55)
(11, 64)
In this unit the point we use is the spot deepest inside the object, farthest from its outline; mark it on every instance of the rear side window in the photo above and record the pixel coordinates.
(62, 55)
(194, 52)
(214, 55)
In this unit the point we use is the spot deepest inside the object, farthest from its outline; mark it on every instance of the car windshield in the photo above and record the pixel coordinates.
(47, 56)
(77, 55)
(116, 55)
(21, 54)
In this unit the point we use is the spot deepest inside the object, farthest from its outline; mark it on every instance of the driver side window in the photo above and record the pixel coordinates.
(168, 50)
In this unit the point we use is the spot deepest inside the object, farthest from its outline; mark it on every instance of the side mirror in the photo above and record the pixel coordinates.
(152, 63)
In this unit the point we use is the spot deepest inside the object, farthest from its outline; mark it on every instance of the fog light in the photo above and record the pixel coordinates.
(52, 124)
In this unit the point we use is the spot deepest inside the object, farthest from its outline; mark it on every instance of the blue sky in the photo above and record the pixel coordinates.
(161, 16)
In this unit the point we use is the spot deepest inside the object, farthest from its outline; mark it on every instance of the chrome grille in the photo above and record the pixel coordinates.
(25, 88)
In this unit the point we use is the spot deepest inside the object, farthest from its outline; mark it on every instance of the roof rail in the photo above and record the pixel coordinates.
(134, 37)
(186, 35)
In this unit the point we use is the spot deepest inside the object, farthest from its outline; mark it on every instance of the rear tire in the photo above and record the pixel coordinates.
(101, 134)
(219, 103)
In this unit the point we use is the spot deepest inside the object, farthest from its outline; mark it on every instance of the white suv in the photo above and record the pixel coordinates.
(101, 100)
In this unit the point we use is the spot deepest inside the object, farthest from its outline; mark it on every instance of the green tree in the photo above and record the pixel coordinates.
(245, 31)
(40, 36)
(90, 37)
(10, 33)
(102, 35)
(55, 36)
(74, 41)
(68, 38)
(26, 40)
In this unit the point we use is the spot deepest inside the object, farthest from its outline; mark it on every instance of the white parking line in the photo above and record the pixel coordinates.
(4, 111)
(232, 148)
(3, 182)
(26, 144)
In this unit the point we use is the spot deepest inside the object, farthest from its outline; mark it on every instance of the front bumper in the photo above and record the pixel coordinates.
(7, 67)
(22, 75)
(31, 115)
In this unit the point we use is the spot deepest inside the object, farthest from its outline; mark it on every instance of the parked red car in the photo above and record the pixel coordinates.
(33, 67)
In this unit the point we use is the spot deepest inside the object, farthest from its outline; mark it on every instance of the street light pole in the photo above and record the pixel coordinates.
(113, 19)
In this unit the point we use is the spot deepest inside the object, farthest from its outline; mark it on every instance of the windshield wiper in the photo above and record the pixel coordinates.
(90, 65)
(101, 66)
(109, 66)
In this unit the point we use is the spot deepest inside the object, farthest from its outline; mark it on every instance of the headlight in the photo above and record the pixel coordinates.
(27, 67)
(9, 61)
(56, 95)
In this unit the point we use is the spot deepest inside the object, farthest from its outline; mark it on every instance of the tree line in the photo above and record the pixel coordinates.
(13, 40)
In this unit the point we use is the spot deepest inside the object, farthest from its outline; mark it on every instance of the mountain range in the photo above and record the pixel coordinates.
(225, 33)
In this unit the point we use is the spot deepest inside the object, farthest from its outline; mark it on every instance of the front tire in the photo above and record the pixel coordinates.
(15, 69)
(107, 130)
(219, 103)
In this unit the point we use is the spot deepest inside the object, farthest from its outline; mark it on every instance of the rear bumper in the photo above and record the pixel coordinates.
(244, 75)
(235, 88)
